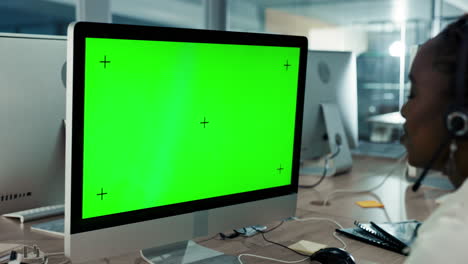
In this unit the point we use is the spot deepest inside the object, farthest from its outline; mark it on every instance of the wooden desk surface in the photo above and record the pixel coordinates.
(400, 204)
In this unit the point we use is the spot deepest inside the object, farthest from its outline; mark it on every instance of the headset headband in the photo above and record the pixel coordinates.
(460, 80)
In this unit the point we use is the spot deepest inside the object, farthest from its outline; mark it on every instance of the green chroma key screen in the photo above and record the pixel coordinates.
(170, 122)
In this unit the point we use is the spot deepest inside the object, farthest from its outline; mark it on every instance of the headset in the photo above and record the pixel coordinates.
(456, 118)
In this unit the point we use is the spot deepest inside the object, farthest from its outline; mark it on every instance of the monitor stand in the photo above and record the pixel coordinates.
(343, 162)
(54, 227)
(186, 252)
(178, 253)
(37, 213)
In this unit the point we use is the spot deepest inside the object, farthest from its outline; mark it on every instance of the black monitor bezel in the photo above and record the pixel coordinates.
(83, 30)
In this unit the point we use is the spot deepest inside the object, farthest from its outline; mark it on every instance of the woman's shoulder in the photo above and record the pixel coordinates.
(444, 235)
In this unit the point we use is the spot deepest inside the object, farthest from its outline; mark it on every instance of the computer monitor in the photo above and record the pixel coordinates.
(331, 78)
(32, 110)
(178, 133)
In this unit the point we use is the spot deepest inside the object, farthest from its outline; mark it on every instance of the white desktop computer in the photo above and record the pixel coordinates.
(331, 80)
(178, 133)
(32, 110)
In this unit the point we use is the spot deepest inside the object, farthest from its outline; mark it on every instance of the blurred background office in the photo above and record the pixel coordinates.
(382, 33)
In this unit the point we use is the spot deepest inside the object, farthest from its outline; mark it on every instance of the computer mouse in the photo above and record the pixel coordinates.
(332, 256)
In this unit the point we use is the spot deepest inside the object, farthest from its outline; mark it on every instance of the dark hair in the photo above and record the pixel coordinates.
(448, 44)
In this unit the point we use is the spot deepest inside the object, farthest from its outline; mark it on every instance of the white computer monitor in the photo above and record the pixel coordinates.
(32, 110)
(331, 79)
(178, 133)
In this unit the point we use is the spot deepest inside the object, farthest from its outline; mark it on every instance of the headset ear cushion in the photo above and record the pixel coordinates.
(457, 123)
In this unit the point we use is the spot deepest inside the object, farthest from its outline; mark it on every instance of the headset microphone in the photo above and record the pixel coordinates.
(456, 119)
(429, 165)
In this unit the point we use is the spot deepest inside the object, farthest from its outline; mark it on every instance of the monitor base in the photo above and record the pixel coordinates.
(37, 213)
(185, 252)
(317, 168)
(54, 227)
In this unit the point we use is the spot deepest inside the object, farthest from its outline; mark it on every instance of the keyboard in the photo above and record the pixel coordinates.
(37, 213)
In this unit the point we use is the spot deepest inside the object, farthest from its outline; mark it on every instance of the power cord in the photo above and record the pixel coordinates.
(325, 219)
(208, 239)
(230, 236)
(237, 233)
(325, 168)
(304, 220)
(281, 245)
(275, 243)
(32, 254)
(273, 228)
(272, 259)
(327, 198)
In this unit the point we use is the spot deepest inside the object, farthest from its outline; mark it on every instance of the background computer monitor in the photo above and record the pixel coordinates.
(178, 133)
(32, 109)
(331, 78)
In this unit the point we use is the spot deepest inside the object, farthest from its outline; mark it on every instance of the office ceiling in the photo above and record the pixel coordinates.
(344, 12)
(243, 14)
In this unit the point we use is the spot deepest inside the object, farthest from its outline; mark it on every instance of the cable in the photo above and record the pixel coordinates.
(429, 165)
(55, 254)
(144, 258)
(208, 239)
(278, 244)
(325, 168)
(33, 254)
(258, 231)
(335, 235)
(325, 201)
(324, 219)
(317, 219)
(272, 259)
(231, 236)
(237, 234)
(46, 256)
(271, 229)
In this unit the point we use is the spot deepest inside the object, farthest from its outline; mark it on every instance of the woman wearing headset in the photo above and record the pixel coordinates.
(436, 129)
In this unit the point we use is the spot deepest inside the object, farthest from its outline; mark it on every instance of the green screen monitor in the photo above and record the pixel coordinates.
(174, 130)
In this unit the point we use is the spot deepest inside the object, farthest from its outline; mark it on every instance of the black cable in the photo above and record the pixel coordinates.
(208, 239)
(237, 233)
(429, 165)
(325, 169)
(271, 229)
(278, 244)
(230, 236)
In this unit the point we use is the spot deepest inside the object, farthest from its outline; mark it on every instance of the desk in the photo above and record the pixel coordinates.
(401, 203)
